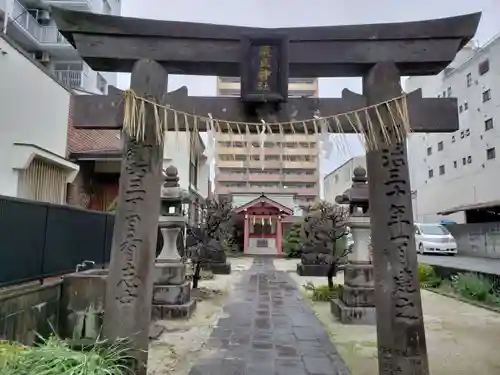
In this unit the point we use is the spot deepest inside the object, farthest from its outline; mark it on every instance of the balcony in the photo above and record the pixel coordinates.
(300, 164)
(230, 177)
(232, 150)
(267, 164)
(295, 177)
(264, 177)
(231, 164)
(42, 37)
(304, 191)
(82, 5)
(300, 151)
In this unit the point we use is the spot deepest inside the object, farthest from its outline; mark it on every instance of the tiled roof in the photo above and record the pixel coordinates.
(91, 140)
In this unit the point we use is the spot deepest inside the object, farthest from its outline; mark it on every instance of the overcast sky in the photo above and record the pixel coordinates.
(283, 13)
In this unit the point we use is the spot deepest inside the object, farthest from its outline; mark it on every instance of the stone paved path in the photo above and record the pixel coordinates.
(269, 329)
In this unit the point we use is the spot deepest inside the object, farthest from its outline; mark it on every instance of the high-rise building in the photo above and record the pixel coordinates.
(30, 25)
(286, 165)
(456, 176)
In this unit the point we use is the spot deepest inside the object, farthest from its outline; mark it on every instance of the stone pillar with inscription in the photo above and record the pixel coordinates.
(401, 339)
(129, 287)
(356, 302)
(172, 292)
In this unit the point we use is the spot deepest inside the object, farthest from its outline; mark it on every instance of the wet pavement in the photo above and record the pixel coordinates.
(269, 329)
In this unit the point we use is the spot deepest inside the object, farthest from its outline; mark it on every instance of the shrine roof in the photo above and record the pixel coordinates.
(112, 43)
(266, 201)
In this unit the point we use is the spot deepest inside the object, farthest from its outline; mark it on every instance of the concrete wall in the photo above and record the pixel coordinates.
(339, 180)
(29, 309)
(479, 240)
(33, 109)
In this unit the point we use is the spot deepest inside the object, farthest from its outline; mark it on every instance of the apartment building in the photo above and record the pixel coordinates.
(30, 25)
(287, 164)
(339, 180)
(456, 176)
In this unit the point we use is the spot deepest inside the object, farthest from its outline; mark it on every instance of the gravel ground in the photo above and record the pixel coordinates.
(183, 341)
(461, 338)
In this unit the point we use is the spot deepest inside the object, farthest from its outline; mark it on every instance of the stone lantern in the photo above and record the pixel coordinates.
(356, 302)
(172, 292)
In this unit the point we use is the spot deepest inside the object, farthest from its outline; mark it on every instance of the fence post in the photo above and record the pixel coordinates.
(44, 249)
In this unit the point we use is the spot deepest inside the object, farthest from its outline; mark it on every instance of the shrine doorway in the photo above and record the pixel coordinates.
(263, 226)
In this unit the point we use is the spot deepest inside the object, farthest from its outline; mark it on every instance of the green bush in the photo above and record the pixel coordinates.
(473, 286)
(321, 292)
(428, 277)
(293, 241)
(55, 357)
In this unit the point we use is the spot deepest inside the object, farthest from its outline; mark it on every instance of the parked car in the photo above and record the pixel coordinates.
(434, 238)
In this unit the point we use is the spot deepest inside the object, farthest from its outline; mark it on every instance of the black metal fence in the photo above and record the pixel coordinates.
(39, 240)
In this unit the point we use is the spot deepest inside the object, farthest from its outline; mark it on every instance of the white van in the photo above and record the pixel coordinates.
(434, 238)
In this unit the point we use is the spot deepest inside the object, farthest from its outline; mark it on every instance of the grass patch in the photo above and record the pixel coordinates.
(55, 357)
(471, 287)
(321, 292)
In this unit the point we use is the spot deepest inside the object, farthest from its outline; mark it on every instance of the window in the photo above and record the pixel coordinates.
(455, 164)
(488, 124)
(469, 159)
(440, 146)
(452, 139)
(431, 173)
(484, 67)
(490, 153)
(469, 79)
(441, 170)
(429, 150)
(462, 134)
(466, 106)
(448, 92)
(464, 161)
(467, 132)
(486, 95)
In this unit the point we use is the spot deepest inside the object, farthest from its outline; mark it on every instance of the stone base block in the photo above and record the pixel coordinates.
(172, 294)
(359, 275)
(353, 315)
(359, 297)
(218, 268)
(169, 273)
(313, 270)
(165, 312)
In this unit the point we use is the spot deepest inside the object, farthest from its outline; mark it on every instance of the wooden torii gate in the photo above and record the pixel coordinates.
(380, 53)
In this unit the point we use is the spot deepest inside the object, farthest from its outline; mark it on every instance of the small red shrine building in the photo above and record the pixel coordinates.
(263, 225)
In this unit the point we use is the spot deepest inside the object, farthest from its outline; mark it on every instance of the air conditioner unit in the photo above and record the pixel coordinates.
(43, 17)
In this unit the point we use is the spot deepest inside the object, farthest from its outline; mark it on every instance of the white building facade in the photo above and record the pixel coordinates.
(454, 172)
(33, 129)
(30, 25)
(338, 181)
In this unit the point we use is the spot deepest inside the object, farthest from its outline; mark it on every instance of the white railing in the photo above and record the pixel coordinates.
(42, 34)
(51, 35)
(76, 79)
